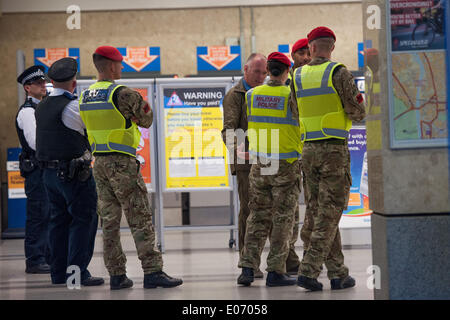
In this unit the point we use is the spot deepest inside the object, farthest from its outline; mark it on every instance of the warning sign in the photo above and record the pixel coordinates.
(174, 100)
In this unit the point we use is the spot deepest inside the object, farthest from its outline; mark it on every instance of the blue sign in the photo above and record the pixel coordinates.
(141, 59)
(360, 55)
(286, 49)
(47, 56)
(219, 58)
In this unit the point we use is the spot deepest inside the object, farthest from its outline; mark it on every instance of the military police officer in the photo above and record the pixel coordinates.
(274, 140)
(112, 114)
(328, 101)
(63, 151)
(36, 225)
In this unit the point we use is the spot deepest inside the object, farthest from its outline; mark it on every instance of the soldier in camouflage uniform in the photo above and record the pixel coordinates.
(326, 165)
(120, 185)
(235, 118)
(273, 195)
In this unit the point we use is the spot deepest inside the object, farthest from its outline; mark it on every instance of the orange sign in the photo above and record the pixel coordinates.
(355, 199)
(218, 56)
(143, 150)
(138, 57)
(54, 54)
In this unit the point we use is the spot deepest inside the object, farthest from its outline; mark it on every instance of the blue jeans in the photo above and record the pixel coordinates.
(36, 224)
(73, 224)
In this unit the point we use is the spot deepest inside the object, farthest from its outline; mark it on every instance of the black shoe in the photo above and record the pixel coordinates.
(160, 279)
(92, 281)
(293, 271)
(309, 283)
(342, 283)
(275, 279)
(38, 269)
(246, 277)
(120, 282)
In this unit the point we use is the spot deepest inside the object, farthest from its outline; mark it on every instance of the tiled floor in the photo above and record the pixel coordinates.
(201, 258)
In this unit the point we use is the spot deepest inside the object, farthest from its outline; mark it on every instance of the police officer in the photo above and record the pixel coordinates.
(36, 225)
(328, 101)
(274, 140)
(112, 114)
(235, 120)
(63, 151)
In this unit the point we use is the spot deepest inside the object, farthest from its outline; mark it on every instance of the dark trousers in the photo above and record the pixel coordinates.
(36, 224)
(73, 224)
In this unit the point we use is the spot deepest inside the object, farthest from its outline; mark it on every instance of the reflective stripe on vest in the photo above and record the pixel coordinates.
(324, 88)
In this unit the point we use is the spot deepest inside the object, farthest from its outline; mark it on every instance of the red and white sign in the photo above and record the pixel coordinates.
(138, 57)
(54, 54)
(218, 56)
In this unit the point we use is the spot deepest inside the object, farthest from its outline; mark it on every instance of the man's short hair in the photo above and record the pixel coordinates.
(100, 62)
(324, 44)
(255, 55)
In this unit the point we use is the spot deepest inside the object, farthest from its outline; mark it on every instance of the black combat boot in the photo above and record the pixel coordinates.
(246, 277)
(120, 282)
(309, 283)
(342, 283)
(160, 279)
(275, 279)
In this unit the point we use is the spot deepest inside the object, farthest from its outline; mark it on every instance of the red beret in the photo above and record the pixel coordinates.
(109, 52)
(321, 32)
(300, 44)
(280, 57)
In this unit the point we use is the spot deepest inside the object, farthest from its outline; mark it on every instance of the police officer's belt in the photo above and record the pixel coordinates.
(330, 141)
(52, 164)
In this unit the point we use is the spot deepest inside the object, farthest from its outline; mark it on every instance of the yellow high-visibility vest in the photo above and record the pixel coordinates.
(272, 131)
(321, 112)
(106, 126)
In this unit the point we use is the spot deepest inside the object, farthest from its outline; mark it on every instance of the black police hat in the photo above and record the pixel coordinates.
(31, 74)
(63, 69)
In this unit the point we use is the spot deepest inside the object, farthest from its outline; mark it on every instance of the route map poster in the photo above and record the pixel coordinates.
(418, 98)
(417, 24)
(195, 155)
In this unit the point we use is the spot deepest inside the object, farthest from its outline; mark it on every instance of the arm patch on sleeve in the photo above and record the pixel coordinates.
(359, 98)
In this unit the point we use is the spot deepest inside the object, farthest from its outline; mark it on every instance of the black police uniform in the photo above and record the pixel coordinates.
(36, 224)
(69, 182)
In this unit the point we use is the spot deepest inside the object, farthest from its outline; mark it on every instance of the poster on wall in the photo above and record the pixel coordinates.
(46, 56)
(358, 213)
(418, 90)
(193, 154)
(219, 58)
(141, 59)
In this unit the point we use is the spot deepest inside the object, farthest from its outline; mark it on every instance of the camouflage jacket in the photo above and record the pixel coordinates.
(133, 107)
(351, 98)
(235, 117)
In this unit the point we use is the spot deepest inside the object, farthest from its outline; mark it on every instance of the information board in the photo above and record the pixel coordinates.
(417, 64)
(192, 153)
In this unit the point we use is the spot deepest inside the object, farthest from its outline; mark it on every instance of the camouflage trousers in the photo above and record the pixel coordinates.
(326, 166)
(121, 188)
(292, 260)
(273, 201)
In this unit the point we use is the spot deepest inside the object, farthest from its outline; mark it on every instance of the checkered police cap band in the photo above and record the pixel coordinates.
(35, 74)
